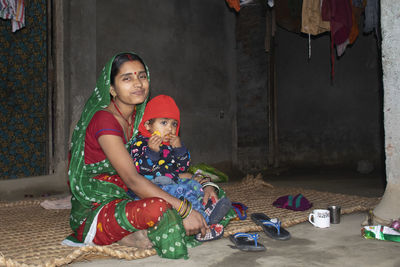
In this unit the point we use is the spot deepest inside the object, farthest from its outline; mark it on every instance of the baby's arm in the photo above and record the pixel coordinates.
(182, 158)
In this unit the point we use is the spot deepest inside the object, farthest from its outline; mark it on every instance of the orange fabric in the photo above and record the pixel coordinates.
(354, 28)
(235, 4)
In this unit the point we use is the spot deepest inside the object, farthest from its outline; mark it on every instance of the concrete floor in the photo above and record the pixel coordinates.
(339, 245)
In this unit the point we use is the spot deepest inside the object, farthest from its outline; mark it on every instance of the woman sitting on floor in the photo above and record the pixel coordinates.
(101, 172)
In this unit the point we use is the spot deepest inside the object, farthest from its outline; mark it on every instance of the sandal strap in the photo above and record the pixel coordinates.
(275, 222)
(249, 236)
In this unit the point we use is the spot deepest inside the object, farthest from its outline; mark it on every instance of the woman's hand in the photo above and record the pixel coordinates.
(155, 142)
(209, 193)
(195, 223)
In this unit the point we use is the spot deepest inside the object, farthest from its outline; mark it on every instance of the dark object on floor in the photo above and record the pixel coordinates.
(271, 227)
(297, 202)
(240, 210)
(246, 242)
(396, 225)
(221, 209)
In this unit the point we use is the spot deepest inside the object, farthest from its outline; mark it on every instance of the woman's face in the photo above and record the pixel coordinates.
(131, 85)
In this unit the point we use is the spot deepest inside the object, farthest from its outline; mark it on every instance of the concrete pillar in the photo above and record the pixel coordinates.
(389, 207)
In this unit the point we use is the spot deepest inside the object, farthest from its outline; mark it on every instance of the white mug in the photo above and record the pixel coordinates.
(320, 218)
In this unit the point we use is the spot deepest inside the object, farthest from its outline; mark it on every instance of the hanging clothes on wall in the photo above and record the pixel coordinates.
(371, 23)
(339, 14)
(355, 16)
(288, 14)
(235, 4)
(311, 21)
(358, 8)
(14, 10)
(371, 16)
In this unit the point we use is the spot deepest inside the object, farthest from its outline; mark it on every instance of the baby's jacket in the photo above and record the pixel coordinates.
(167, 162)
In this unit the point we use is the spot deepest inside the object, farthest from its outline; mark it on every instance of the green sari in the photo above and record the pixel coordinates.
(168, 236)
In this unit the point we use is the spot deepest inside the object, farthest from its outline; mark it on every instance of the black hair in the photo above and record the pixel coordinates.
(121, 59)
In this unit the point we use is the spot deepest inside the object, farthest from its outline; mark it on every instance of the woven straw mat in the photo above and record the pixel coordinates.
(31, 235)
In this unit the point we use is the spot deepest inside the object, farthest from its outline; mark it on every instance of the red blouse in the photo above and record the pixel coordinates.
(102, 123)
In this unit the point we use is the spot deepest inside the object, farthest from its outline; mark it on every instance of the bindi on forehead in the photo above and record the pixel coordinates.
(131, 73)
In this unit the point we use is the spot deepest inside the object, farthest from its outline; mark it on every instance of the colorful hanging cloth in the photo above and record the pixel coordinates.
(14, 10)
(235, 4)
(339, 14)
(371, 16)
(311, 20)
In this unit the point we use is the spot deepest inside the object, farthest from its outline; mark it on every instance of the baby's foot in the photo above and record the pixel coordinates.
(216, 231)
(137, 239)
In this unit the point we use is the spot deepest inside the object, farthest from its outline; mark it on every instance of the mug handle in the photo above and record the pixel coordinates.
(309, 218)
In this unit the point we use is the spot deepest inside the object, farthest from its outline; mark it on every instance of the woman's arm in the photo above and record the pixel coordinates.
(115, 151)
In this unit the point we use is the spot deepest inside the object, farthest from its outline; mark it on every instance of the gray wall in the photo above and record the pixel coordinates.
(252, 94)
(189, 49)
(324, 123)
(319, 122)
(219, 80)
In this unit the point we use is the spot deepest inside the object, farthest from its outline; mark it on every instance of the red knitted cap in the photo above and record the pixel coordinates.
(161, 106)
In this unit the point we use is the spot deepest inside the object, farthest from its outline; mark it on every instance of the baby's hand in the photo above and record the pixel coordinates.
(155, 142)
(175, 141)
(156, 133)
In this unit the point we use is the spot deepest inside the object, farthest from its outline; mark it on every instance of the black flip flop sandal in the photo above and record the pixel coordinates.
(247, 242)
(271, 227)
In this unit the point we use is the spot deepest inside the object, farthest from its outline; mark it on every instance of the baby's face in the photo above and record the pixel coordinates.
(163, 127)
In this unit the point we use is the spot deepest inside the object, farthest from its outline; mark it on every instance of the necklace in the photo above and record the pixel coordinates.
(120, 113)
(127, 122)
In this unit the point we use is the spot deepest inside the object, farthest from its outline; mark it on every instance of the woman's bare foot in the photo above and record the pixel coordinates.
(137, 239)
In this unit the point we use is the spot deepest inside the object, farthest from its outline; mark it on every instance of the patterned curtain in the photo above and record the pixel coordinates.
(23, 94)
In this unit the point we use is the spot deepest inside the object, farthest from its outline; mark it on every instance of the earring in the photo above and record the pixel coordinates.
(113, 94)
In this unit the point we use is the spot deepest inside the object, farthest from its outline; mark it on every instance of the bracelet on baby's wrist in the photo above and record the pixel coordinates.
(211, 184)
(205, 180)
(201, 178)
